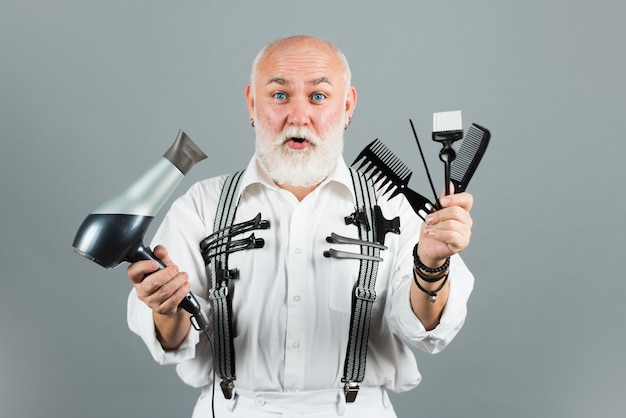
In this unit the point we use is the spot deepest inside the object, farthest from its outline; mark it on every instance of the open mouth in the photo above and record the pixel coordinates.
(297, 143)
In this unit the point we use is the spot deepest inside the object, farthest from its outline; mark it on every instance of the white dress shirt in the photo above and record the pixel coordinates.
(291, 305)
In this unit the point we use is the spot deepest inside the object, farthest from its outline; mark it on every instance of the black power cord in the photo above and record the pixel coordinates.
(213, 383)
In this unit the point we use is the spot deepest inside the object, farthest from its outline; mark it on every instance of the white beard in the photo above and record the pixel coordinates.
(299, 168)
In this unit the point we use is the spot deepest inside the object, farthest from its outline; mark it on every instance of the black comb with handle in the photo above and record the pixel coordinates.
(468, 157)
(385, 169)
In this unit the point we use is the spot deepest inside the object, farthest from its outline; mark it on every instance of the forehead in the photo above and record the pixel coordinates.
(303, 61)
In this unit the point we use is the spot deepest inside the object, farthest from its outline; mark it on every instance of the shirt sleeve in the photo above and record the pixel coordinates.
(406, 324)
(403, 321)
(140, 322)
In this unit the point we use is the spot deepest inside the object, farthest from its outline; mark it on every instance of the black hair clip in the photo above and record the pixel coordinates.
(384, 225)
(236, 229)
(358, 217)
(229, 247)
(339, 239)
(332, 253)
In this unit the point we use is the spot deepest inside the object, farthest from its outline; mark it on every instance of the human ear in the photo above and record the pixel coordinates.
(250, 100)
(351, 98)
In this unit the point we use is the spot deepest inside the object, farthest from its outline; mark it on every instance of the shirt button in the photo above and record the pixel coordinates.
(259, 401)
(296, 298)
(298, 251)
(295, 345)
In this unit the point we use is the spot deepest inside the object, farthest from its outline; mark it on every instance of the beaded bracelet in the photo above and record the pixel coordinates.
(429, 278)
(418, 263)
(432, 294)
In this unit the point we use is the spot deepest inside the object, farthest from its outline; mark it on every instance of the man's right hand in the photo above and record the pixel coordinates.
(162, 290)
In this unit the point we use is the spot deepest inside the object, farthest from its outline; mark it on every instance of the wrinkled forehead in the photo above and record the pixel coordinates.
(308, 60)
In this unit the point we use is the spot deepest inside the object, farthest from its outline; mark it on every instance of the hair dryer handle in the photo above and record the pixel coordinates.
(189, 303)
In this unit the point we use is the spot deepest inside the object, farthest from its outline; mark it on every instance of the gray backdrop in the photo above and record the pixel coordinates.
(93, 92)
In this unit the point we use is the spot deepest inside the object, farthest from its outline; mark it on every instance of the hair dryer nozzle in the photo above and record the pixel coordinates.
(184, 153)
(149, 192)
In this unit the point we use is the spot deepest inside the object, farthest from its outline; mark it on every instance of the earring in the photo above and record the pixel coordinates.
(252, 122)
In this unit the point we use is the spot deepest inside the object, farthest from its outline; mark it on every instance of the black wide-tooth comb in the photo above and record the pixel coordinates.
(469, 155)
(385, 169)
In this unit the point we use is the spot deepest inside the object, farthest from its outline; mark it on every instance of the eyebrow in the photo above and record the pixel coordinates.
(315, 81)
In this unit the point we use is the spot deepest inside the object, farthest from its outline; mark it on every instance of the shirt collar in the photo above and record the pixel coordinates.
(256, 174)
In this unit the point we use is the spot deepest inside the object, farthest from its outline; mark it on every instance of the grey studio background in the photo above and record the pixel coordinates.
(93, 92)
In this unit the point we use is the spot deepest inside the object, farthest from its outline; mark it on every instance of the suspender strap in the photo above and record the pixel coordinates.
(223, 350)
(364, 294)
(218, 245)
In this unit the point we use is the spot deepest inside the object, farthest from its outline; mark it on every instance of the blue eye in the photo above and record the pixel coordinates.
(280, 96)
(318, 97)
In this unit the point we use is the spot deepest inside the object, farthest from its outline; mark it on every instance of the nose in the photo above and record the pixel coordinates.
(298, 113)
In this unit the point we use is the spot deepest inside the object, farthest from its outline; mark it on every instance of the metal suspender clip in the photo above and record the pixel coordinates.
(227, 387)
(368, 295)
(226, 275)
(350, 390)
(219, 293)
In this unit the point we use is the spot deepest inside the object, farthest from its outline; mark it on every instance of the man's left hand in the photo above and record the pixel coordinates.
(446, 231)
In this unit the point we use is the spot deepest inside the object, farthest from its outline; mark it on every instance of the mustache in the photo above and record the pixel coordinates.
(297, 132)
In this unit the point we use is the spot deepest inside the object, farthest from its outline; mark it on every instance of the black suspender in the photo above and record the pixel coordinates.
(364, 294)
(217, 246)
(214, 249)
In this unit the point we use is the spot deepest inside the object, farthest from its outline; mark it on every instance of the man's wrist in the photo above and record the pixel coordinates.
(428, 266)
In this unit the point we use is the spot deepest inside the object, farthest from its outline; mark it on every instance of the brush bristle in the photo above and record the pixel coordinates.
(447, 121)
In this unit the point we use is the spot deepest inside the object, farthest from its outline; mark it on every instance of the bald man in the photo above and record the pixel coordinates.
(291, 305)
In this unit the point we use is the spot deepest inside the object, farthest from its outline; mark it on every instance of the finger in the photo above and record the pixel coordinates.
(160, 287)
(456, 239)
(168, 288)
(153, 282)
(464, 200)
(452, 189)
(446, 227)
(449, 225)
(169, 304)
(443, 217)
(161, 253)
(137, 271)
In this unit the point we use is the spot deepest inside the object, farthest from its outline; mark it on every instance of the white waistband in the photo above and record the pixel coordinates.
(300, 403)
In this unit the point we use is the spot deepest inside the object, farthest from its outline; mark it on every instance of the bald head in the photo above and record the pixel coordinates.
(300, 46)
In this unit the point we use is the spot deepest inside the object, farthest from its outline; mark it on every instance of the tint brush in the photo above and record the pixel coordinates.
(447, 129)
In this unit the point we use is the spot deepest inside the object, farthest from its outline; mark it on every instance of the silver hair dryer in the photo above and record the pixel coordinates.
(114, 231)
